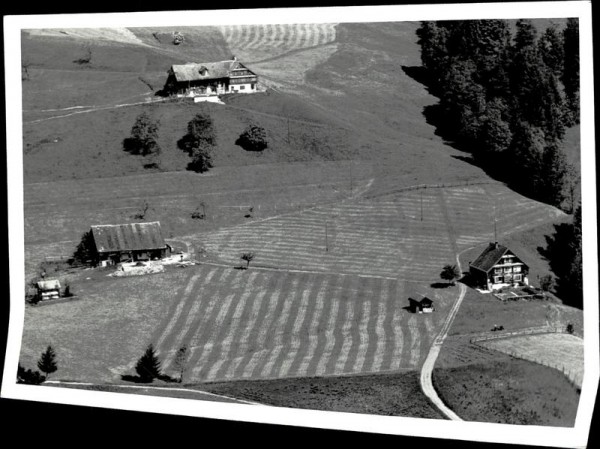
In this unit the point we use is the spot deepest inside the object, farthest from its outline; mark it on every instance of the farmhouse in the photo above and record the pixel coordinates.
(498, 266)
(210, 78)
(48, 289)
(128, 242)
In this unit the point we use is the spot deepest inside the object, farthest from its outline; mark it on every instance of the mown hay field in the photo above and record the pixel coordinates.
(563, 352)
(237, 324)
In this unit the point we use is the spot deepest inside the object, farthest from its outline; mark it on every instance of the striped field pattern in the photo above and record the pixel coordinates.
(250, 41)
(254, 323)
(407, 236)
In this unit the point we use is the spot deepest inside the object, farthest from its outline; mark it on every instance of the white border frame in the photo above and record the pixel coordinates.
(475, 431)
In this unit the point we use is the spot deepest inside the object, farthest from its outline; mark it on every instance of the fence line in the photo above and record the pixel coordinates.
(573, 377)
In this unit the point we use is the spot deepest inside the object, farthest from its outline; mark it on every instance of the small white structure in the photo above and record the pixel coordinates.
(48, 289)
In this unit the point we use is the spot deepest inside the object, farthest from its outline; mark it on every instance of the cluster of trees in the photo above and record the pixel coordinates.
(199, 141)
(46, 364)
(507, 99)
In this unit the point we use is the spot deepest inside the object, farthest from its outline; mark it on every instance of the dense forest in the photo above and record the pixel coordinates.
(507, 95)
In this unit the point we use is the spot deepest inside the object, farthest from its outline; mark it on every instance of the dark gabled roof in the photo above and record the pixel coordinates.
(426, 301)
(128, 237)
(214, 70)
(490, 257)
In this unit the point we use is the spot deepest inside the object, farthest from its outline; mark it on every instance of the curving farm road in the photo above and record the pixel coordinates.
(427, 368)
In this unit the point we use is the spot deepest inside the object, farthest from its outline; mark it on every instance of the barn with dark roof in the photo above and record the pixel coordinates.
(498, 266)
(129, 242)
(210, 78)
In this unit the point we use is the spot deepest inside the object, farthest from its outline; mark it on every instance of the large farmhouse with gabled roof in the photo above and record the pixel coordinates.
(128, 242)
(497, 266)
(210, 78)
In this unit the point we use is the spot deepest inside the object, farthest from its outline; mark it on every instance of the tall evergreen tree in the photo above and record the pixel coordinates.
(148, 365)
(554, 176)
(47, 362)
(570, 76)
(552, 52)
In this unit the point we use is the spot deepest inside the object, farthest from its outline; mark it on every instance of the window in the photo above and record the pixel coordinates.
(508, 270)
(497, 279)
(242, 87)
(498, 270)
(517, 269)
(517, 277)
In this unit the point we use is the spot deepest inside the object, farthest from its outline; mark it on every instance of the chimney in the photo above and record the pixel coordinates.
(495, 245)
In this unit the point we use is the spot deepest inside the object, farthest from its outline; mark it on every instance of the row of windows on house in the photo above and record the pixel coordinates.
(516, 269)
(508, 278)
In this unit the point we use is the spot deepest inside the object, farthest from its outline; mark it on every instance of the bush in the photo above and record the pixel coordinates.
(254, 138)
(29, 376)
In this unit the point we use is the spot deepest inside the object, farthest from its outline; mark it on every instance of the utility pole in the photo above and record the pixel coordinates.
(326, 243)
(288, 127)
(495, 230)
(421, 204)
(351, 180)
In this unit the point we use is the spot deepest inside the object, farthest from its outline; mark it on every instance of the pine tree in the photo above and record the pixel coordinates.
(554, 176)
(570, 76)
(86, 253)
(552, 52)
(47, 362)
(148, 366)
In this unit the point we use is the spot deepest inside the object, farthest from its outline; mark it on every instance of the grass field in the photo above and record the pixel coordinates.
(561, 351)
(382, 394)
(509, 392)
(237, 324)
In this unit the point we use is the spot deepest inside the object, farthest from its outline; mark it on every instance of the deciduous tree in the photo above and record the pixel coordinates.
(450, 273)
(144, 136)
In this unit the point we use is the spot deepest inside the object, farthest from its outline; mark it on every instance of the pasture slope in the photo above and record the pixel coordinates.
(341, 236)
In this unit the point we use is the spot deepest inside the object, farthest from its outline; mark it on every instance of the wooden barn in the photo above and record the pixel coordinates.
(129, 242)
(423, 305)
(48, 289)
(210, 78)
(498, 266)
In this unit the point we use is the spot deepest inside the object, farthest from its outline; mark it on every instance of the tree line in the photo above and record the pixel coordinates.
(508, 98)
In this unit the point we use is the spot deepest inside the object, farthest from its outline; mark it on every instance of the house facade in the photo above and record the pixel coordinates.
(498, 266)
(48, 289)
(129, 243)
(210, 79)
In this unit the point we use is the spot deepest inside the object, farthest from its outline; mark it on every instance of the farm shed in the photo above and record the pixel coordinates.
(48, 289)
(498, 266)
(129, 242)
(424, 305)
(210, 78)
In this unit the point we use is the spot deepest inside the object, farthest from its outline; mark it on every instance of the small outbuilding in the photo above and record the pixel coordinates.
(423, 305)
(129, 243)
(48, 289)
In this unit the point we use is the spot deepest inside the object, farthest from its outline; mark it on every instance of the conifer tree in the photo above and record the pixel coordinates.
(570, 76)
(148, 366)
(47, 362)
